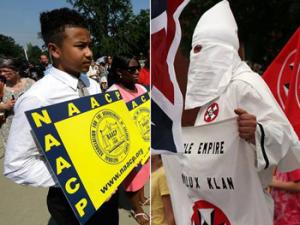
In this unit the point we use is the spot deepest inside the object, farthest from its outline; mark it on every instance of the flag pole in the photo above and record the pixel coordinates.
(25, 52)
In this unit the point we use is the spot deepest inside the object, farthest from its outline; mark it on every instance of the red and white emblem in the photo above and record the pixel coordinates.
(211, 112)
(206, 213)
(284, 78)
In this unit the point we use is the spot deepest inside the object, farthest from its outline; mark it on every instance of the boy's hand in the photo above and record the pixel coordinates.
(246, 125)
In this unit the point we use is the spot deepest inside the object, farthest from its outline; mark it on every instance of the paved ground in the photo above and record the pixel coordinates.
(22, 205)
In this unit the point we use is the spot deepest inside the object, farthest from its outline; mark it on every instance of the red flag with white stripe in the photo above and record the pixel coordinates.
(293, 101)
(167, 99)
(282, 76)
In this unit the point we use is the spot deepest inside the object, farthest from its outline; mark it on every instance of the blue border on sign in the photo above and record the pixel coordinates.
(59, 112)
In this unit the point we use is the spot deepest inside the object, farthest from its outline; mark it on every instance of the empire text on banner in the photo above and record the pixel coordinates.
(91, 145)
(215, 177)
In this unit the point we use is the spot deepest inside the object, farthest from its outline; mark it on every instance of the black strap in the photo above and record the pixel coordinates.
(262, 144)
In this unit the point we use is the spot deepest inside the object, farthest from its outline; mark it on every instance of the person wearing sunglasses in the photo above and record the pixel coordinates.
(125, 73)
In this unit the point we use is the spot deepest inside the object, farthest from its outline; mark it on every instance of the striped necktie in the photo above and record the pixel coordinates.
(82, 89)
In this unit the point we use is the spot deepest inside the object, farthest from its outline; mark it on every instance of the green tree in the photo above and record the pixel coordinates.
(114, 26)
(140, 33)
(9, 48)
(264, 25)
(33, 52)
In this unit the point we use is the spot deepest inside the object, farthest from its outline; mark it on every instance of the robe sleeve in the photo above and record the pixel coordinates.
(275, 138)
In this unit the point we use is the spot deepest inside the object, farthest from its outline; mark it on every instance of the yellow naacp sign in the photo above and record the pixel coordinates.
(140, 111)
(91, 145)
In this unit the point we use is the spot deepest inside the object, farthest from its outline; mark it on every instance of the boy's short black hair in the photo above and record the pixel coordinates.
(53, 23)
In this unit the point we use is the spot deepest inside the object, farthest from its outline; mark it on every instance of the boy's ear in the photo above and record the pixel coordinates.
(54, 50)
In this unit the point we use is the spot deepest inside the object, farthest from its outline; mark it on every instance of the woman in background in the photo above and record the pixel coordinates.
(15, 85)
(125, 73)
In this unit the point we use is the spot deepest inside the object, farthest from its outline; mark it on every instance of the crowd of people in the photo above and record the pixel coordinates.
(24, 86)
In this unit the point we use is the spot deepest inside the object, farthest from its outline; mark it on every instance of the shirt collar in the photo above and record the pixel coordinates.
(66, 78)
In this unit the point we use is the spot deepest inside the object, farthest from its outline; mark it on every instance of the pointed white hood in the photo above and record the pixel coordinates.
(211, 69)
(217, 24)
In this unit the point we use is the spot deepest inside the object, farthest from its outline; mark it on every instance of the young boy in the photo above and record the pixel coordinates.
(68, 40)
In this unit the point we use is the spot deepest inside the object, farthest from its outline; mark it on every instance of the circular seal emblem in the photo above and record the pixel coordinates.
(109, 136)
(209, 214)
(284, 78)
(211, 112)
(142, 120)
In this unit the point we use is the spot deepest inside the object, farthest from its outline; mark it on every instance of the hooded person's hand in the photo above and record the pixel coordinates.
(246, 125)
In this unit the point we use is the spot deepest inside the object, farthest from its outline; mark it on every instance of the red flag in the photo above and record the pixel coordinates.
(282, 76)
(279, 73)
(167, 99)
(293, 101)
